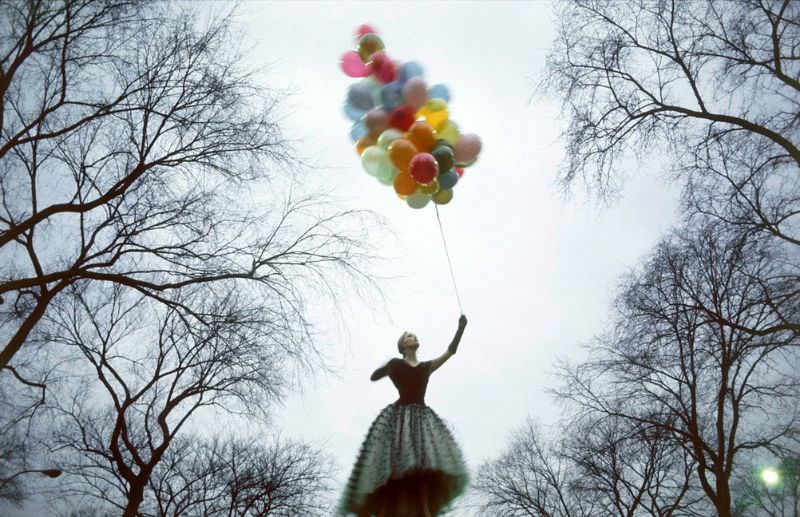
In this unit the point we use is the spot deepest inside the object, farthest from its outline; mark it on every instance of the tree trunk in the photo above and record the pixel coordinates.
(135, 497)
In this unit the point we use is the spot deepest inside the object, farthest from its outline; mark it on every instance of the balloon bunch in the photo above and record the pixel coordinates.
(402, 127)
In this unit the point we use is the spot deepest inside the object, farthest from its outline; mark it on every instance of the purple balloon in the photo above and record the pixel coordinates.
(353, 66)
(415, 92)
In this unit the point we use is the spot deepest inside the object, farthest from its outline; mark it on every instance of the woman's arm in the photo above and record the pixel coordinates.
(451, 350)
(381, 372)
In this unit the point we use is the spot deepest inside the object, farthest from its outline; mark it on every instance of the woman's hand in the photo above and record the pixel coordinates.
(462, 322)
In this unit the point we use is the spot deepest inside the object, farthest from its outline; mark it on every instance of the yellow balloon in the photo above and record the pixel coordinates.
(430, 188)
(449, 132)
(443, 196)
(434, 112)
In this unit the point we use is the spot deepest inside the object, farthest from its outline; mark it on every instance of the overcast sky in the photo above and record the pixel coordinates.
(535, 272)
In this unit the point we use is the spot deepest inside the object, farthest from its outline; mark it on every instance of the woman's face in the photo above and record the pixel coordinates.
(410, 343)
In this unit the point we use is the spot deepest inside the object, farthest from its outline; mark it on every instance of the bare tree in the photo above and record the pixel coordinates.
(531, 478)
(627, 469)
(132, 136)
(601, 468)
(688, 74)
(670, 363)
(241, 477)
(150, 370)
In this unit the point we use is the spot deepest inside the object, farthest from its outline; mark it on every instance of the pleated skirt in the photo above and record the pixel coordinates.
(408, 454)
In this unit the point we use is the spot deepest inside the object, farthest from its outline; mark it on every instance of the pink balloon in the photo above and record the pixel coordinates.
(467, 148)
(353, 66)
(415, 92)
(383, 67)
(376, 121)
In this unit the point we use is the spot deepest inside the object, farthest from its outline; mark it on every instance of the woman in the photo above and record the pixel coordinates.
(409, 464)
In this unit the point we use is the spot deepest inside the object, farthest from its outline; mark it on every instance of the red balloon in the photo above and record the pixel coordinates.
(363, 29)
(402, 117)
(383, 67)
(423, 168)
(459, 171)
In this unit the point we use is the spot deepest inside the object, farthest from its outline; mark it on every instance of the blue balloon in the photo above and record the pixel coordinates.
(391, 95)
(409, 70)
(352, 113)
(358, 131)
(361, 96)
(448, 180)
(439, 91)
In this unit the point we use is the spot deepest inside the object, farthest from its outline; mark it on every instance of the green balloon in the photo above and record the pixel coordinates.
(418, 200)
(368, 45)
(444, 157)
(449, 132)
(389, 136)
(388, 179)
(376, 162)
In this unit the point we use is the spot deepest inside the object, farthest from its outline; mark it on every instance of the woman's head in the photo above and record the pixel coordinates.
(408, 341)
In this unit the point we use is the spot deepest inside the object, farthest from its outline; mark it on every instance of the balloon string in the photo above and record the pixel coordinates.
(449, 262)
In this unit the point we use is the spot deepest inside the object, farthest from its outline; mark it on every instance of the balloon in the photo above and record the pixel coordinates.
(409, 70)
(443, 142)
(418, 200)
(360, 96)
(391, 95)
(415, 92)
(401, 125)
(383, 68)
(364, 143)
(375, 161)
(449, 133)
(353, 66)
(444, 156)
(467, 148)
(443, 197)
(376, 121)
(358, 131)
(439, 91)
(389, 136)
(404, 184)
(435, 112)
(423, 168)
(363, 29)
(368, 44)
(421, 135)
(430, 188)
(387, 178)
(448, 180)
(402, 117)
(352, 113)
(401, 151)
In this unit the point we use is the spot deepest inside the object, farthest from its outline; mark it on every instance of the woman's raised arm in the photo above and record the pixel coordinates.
(453, 347)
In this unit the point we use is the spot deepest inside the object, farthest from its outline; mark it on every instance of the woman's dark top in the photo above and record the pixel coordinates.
(410, 381)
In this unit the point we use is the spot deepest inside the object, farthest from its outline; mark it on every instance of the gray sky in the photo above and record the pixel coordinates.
(535, 273)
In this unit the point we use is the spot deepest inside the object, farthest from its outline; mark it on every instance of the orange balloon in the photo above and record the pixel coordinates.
(422, 136)
(404, 184)
(364, 143)
(400, 152)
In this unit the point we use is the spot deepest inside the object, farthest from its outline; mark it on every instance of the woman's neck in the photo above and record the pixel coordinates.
(411, 357)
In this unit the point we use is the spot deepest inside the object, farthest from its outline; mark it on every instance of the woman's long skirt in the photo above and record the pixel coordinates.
(409, 455)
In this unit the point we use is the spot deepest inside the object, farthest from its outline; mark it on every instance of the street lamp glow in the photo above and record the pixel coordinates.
(770, 476)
